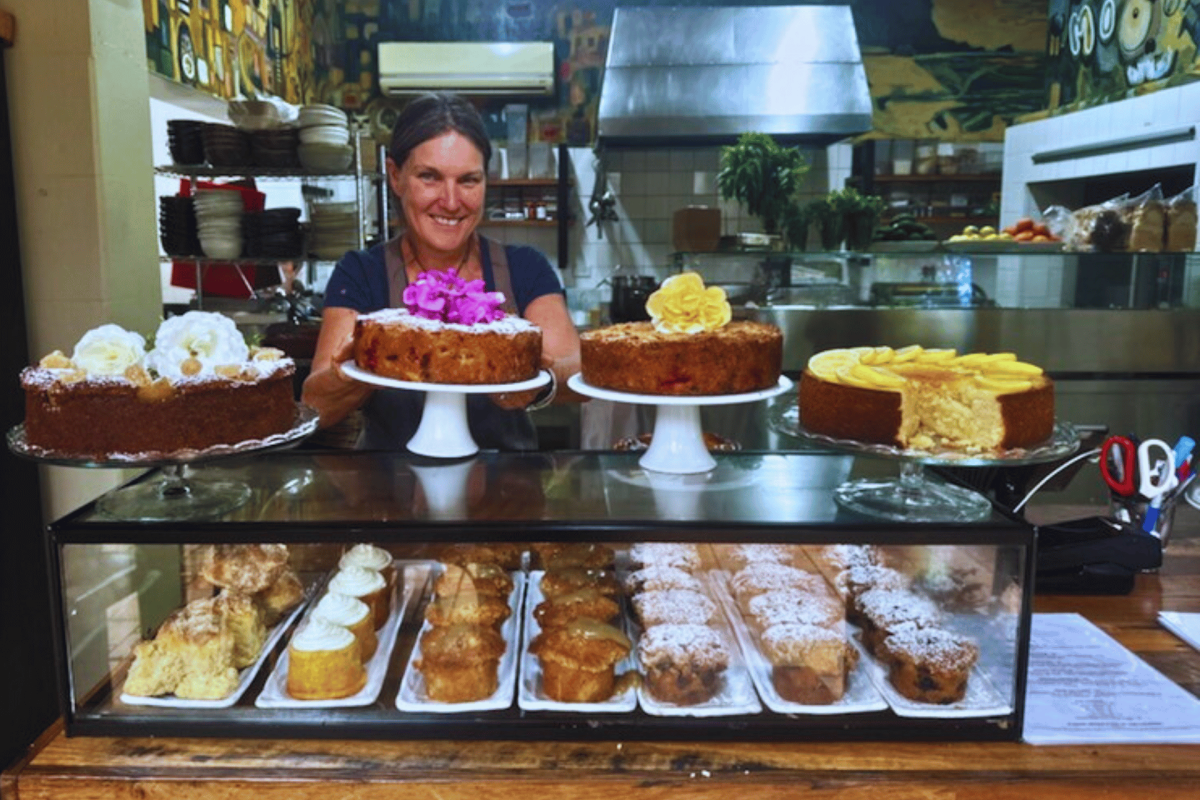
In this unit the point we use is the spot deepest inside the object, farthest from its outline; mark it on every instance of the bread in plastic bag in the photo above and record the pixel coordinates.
(1181, 222)
(1098, 228)
(1145, 218)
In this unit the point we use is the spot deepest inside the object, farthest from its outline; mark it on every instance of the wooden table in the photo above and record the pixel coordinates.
(200, 769)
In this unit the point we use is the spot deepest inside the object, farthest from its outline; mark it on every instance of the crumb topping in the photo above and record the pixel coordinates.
(936, 648)
(698, 645)
(673, 606)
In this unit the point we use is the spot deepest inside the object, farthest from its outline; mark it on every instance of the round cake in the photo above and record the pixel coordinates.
(199, 387)
(688, 348)
(927, 399)
(450, 331)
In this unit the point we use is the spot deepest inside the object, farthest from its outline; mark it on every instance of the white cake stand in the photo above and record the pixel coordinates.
(677, 443)
(444, 432)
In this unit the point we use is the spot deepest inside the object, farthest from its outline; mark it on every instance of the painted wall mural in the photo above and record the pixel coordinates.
(949, 69)
(1105, 50)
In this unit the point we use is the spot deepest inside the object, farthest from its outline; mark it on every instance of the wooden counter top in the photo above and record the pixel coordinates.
(83, 768)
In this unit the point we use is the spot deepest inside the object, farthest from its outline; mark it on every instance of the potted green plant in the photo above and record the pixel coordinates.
(846, 216)
(763, 176)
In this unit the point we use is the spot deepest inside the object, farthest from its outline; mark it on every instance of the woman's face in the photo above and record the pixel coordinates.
(441, 187)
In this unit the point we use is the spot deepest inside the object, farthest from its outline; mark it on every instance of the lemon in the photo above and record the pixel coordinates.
(827, 364)
(937, 356)
(878, 355)
(987, 230)
(875, 377)
(998, 368)
(906, 354)
(1005, 385)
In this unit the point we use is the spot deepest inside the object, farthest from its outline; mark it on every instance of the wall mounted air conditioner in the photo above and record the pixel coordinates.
(494, 68)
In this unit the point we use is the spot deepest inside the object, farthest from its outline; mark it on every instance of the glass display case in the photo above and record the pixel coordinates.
(118, 580)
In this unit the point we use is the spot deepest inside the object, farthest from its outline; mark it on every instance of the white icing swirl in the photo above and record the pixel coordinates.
(366, 555)
(109, 350)
(209, 338)
(321, 634)
(341, 609)
(356, 581)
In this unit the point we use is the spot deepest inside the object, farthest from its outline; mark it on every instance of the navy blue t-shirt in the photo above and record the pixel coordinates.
(360, 282)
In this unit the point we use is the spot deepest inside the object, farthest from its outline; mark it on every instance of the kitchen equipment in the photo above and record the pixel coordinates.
(696, 229)
(629, 295)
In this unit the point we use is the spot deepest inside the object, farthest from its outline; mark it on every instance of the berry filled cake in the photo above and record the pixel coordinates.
(200, 386)
(450, 331)
(690, 347)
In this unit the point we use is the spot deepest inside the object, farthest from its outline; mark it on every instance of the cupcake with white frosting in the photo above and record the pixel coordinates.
(366, 585)
(371, 557)
(324, 662)
(352, 614)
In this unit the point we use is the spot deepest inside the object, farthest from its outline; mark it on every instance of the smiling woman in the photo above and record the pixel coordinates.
(437, 168)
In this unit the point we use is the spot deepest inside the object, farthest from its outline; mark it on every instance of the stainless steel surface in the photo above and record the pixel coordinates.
(712, 73)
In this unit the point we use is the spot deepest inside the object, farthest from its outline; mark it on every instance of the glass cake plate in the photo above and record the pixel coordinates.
(176, 495)
(443, 431)
(913, 497)
(677, 443)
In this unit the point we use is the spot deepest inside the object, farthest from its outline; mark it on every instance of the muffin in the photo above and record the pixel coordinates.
(795, 606)
(809, 664)
(578, 660)
(929, 665)
(561, 609)
(683, 664)
(366, 585)
(505, 555)
(656, 578)
(469, 608)
(460, 663)
(564, 580)
(352, 614)
(673, 607)
(766, 577)
(473, 577)
(684, 556)
(324, 663)
(882, 612)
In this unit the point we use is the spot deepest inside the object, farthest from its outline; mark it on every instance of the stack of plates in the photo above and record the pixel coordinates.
(185, 141)
(177, 226)
(274, 233)
(219, 222)
(226, 146)
(333, 230)
(324, 139)
(275, 147)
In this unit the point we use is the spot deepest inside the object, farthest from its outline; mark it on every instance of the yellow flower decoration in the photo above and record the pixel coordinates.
(683, 305)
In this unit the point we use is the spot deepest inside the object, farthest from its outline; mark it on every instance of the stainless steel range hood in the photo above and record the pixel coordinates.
(699, 75)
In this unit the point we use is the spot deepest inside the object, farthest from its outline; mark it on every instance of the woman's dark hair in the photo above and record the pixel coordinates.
(429, 116)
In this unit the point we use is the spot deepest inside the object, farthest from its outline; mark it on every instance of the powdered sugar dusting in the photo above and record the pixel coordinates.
(509, 324)
(890, 607)
(673, 606)
(794, 606)
(683, 643)
(937, 648)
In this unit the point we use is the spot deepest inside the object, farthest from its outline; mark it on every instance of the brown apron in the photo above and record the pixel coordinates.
(392, 415)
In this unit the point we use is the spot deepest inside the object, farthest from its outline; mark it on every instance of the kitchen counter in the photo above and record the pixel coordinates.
(90, 767)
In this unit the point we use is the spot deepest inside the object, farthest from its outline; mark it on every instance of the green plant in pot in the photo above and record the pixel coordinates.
(846, 216)
(763, 176)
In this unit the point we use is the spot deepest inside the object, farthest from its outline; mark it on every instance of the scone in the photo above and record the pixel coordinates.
(929, 665)
(578, 660)
(352, 614)
(563, 608)
(280, 597)
(809, 664)
(245, 568)
(673, 607)
(191, 656)
(460, 663)
(683, 664)
(324, 663)
(367, 585)
(243, 618)
(468, 608)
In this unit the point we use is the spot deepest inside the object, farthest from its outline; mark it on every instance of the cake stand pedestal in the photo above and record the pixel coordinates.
(443, 431)
(913, 496)
(677, 443)
(175, 496)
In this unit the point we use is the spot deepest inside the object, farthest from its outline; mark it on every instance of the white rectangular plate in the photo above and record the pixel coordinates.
(530, 696)
(274, 693)
(412, 695)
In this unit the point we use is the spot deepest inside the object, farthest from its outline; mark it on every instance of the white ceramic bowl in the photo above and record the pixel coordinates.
(325, 134)
(325, 158)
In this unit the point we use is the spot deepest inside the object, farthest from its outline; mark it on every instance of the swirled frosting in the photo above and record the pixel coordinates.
(366, 555)
(682, 304)
(194, 344)
(883, 368)
(341, 609)
(445, 297)
(320, 634)
(109, 350)
(356, 581)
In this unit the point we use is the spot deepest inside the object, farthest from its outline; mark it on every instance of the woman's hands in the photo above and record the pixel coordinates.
(327, 389)
(560, 351)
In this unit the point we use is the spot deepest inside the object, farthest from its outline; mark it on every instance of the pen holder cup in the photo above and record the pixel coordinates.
(1132, 511)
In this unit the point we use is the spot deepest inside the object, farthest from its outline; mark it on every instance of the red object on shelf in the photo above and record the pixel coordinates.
(226, 279)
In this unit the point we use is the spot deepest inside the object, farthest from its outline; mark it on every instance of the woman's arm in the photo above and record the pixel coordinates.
(327, 389)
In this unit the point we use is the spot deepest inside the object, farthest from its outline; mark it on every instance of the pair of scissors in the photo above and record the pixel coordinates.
(1118, 465)
(1157, 477)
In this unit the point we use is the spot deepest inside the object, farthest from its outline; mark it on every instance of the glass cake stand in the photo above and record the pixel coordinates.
(677, 442)
(175, 496)
(913, 496)
(443, 431)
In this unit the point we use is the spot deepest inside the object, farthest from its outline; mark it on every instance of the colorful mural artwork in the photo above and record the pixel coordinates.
(1105, 50)
(949, 69)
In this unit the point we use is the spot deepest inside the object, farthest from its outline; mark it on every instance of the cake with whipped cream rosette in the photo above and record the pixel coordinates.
(932, 399)
(200, 386)
(690, 347)
(450, 331)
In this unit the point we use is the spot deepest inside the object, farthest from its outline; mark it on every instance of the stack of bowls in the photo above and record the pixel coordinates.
(185, 141)
(219, 222)
(324, 139)
(274, 233)
(226, 146)
(177, 226)
(275, 148)
(333, 229)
